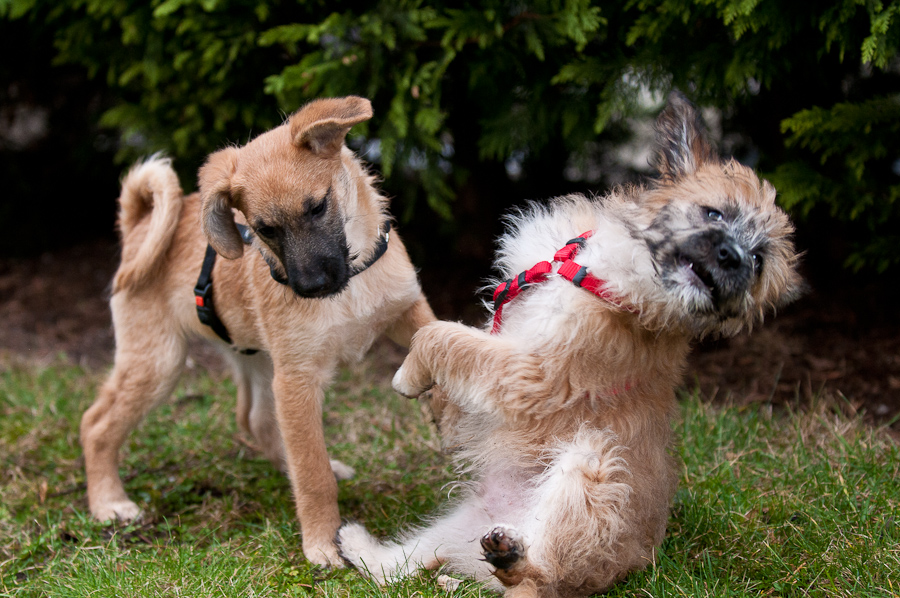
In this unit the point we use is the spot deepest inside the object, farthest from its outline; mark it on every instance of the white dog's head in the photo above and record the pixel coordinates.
(703, 249)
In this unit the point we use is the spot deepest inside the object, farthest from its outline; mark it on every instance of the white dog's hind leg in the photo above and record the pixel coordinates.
(580, 511)
(452, 540)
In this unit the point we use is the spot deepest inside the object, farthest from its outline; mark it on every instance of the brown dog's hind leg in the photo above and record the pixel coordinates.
(244, 397)
(255, 411)
(142, 377)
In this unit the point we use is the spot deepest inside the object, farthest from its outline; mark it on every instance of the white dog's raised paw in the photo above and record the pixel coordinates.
(123, 511)
(406, 387)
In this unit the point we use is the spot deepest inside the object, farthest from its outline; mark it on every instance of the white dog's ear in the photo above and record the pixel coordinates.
(681, 143)
(321, 125)
(216, 217)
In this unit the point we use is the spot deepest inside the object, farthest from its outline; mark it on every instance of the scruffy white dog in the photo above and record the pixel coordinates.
(561, 410)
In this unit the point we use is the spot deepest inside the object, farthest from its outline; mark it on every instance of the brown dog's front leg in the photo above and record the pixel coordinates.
(403, 328)
(298, 403)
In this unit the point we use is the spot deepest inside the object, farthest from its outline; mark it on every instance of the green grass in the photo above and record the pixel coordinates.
(791, 504)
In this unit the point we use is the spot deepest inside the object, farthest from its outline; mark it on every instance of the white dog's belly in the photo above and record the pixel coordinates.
(505, 494)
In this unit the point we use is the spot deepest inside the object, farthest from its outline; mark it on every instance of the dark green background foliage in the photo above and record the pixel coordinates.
(464, 95)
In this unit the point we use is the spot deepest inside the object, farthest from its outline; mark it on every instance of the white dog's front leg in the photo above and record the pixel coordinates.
(480, 372)
(407, 387)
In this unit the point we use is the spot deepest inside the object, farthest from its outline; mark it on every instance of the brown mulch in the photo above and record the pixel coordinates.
(57, 304)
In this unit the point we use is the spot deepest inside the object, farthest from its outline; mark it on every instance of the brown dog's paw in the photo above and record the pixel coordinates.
(324, 555)
(118, 511)
(501, 548)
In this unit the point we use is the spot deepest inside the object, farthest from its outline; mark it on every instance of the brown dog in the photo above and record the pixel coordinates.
(562, 414)
(301, 296)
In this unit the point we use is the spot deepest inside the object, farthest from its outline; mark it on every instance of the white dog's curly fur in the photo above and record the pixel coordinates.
(562, 418)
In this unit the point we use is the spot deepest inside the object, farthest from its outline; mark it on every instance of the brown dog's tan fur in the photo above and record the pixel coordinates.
(300, 181)
(562, 418)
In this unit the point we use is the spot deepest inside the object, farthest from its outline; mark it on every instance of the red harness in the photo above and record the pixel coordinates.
(570, 270)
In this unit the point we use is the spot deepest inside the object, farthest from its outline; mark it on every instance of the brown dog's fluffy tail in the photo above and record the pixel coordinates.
(150, 189)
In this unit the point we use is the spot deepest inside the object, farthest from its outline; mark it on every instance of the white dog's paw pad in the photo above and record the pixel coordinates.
(502, 547)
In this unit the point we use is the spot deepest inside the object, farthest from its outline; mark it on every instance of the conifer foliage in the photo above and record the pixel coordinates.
(808, 92)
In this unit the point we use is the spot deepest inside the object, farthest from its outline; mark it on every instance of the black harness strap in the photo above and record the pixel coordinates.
(206, 311)
(203, 297)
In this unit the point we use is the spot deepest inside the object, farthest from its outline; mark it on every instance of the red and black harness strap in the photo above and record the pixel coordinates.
(508, 290)
(569, 269)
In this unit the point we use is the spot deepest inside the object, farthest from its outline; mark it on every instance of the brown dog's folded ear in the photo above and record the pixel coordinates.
(216, 218)
(321, 125)
(681, 143)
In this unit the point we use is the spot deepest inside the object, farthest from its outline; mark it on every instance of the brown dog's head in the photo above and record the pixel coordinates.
(720, 247)
(295, 188)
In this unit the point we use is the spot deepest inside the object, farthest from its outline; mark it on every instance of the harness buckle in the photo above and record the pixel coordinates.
(203, 300)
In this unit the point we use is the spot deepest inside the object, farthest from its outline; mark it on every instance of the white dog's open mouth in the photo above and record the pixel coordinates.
(695, 273)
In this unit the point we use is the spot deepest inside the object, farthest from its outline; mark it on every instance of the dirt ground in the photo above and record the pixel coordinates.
(57, 304)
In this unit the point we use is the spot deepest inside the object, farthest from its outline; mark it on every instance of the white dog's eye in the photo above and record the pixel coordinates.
(757, 261)
(714, 215)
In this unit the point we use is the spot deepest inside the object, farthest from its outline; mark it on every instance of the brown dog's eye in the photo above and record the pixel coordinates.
(319, 207)
(265, 231)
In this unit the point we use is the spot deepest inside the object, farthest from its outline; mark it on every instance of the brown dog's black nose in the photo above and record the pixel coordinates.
(728, 256)
(326, 277)
(312, 285)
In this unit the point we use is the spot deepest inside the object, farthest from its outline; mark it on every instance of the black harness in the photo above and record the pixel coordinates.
(203, 291)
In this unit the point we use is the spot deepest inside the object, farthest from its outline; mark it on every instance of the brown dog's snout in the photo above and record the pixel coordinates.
(317, 265)
(322, 277)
